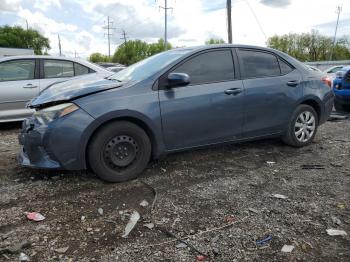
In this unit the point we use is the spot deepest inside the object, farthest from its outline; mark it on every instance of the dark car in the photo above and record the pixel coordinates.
(176, 100)
(341, 89)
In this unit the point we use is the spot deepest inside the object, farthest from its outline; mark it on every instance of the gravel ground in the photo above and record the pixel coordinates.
(220, 200)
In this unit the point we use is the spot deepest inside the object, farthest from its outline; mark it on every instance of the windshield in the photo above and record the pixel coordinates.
(147, 67)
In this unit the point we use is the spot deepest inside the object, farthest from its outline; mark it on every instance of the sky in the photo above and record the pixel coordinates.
(81, 23)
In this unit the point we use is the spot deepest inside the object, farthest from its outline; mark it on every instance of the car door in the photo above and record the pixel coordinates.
(271, 90)
(55, 70)
(19, 83)
(209, 109)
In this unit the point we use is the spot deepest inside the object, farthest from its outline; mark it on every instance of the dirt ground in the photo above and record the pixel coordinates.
(220, 200)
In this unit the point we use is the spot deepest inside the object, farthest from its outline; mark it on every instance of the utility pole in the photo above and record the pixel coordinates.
(166, 8)
(27, 24)
(59, 44)
(339, 9)
(124, 36)
(109, 28)
(229, 21)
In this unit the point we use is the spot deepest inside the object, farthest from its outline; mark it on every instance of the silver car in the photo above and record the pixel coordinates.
(23, 77)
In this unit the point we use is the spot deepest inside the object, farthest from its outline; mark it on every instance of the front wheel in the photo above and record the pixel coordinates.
(120, 151)
(302, 127)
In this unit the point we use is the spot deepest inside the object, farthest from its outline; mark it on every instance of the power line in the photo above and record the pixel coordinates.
(166, 8)
(339, 9)
(109, 28)
(256, 18)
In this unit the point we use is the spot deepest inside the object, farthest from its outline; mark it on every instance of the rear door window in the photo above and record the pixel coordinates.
(58, 68)
(209, 67)
(257, 64)
(17, 70)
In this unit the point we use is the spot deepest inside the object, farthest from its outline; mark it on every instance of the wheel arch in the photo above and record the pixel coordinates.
(133, 117)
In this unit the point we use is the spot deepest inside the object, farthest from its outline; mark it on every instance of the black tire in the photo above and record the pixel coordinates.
(290, 137)
(119, 151)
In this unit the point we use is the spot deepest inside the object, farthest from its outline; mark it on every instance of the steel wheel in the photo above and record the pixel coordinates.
(305, 126)
(120, 151)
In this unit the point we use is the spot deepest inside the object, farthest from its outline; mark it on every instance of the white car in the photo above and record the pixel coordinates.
(23, 77)
(330, 72)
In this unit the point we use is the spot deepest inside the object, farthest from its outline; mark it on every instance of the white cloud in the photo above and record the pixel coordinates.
(9, 5)
(44, 5)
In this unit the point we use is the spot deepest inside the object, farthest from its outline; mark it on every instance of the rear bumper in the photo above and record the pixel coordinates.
(328, 106)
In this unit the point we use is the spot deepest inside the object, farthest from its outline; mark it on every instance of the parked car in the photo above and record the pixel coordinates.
(330, 72)
(23, 77)
(341, 89)
(176, 100)
(115, 69)
(314, 68)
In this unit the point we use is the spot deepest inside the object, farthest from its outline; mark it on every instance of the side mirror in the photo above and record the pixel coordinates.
(178, 79)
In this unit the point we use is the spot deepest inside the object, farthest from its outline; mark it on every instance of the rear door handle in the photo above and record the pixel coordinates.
(293, 83)
(30, 86)
(233, 91)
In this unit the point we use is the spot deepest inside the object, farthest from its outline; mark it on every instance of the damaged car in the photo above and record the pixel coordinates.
(176, 100)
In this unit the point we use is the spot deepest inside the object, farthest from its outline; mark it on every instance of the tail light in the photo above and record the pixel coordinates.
(327, 81)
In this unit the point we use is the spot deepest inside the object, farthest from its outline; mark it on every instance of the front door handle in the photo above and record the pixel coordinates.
(233, 91)
(30, 86)
(293, 83)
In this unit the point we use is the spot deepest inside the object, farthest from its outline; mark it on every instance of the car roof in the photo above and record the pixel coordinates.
(204, 47)
(40, 56)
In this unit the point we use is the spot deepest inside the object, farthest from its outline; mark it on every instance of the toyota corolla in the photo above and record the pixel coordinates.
(176, 100)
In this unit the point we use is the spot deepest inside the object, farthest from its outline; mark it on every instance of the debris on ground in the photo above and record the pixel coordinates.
(336, 232)
(229, 219)
(16, 248)
(337, 117)
(270, 163)
(144, 203)
(279, 196)
(149, 225)
(100, 211)
(312, 166)
(253, 210)
(62, 250)
(23, 257)
(264, 241)
(341, 206)
(35, 216)
(335, 220)
(200, 258)
(181, 245)
(134, 218)
(287, 248)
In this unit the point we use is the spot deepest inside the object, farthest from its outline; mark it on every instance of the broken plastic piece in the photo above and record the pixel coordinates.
(287, 248)
(35, 216)
(200, 258)
(144, 203)
(336, 232)
(135, 216)
(264, 241)
(280, 196)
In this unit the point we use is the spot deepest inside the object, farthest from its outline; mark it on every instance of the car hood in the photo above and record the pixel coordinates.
(73, 88)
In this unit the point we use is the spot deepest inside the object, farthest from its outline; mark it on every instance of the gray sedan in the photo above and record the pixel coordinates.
(176, 100)
(23, 77)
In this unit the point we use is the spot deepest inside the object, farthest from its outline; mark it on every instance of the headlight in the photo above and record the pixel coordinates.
(340, 74)
(49, 114)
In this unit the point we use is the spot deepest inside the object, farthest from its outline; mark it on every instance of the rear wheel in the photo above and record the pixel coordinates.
(120, 151)
(302, 127)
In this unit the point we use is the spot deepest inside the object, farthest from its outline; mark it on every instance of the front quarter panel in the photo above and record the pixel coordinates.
(137, 102)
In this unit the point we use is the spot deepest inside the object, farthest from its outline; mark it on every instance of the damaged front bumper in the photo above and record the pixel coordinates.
(57, 145)
(33, 153)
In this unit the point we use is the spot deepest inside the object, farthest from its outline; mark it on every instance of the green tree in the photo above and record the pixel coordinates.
(311, 46)
(98, 57)
(135, 50)
(17, 37)
(214, 41)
